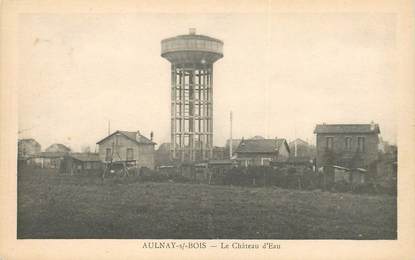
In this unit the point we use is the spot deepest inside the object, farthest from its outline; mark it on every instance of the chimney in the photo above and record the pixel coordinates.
(372, 126)
(192, 31)
(151, 135)
(137, 135)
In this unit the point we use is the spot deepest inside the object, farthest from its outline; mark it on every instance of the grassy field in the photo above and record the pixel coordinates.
(53, 206)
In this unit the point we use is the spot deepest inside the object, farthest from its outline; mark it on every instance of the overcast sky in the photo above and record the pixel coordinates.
(281, 74)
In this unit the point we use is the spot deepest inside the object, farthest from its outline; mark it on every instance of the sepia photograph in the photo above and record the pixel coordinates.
(266, 127)
(208, 126)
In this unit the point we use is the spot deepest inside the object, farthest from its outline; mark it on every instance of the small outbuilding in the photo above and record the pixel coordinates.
(81, 163)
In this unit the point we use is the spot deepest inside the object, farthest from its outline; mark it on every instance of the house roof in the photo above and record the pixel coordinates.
(299, 142)
(133, 136)
(218, 148)
(347, 129)
(28, 140)
(164, 147)
(235, 143)
(59, 146)
(261, 145)
(258, 137)
(85, 157)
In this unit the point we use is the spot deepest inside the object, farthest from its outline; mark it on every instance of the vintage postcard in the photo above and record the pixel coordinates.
(263, 129)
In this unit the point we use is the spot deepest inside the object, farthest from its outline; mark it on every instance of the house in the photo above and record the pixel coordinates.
(218, 153)
(301, 149)
(27, 148)
(257, 152)
(235, 144)
(58, 148)
(347, 145)
(125, 146)
(85, 163)
(162, 155)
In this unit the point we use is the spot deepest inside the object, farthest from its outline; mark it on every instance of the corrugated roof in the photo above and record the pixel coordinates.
(260, 145)
(347, 129)
(134, 136)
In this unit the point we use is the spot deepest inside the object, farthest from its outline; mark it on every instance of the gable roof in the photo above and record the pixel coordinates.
(299, 142)
(28, 140)
(133, 136)
(347, 129)
(164, 147)
(261, 145)
(58, 146)
(257, 137)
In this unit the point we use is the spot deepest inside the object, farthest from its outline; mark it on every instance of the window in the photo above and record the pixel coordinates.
(360, 144)
(266, 161)
(108, 154)
(130, 154)
(348, 143)
(329, 143)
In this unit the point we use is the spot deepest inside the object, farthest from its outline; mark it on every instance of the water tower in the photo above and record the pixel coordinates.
(191, 57)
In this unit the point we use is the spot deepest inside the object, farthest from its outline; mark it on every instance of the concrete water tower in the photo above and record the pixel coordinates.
(192, 57)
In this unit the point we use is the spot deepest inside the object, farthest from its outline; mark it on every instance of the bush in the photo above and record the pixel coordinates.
(366, 188)
(342, 186)
(146, 174)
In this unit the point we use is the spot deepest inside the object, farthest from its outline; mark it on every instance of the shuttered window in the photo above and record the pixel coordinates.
(108, 154)
(348, 143)
(361, 144)
(329, 143)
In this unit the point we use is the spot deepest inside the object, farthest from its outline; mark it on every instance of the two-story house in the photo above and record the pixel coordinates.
(347, 145)
(28, 147)
(128, 147)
